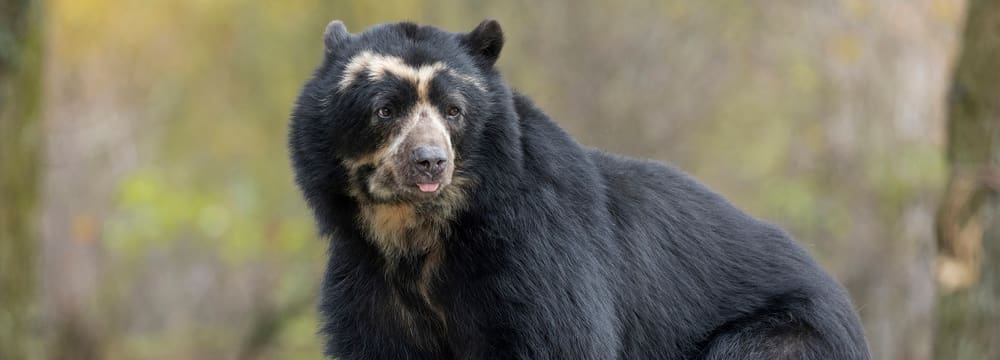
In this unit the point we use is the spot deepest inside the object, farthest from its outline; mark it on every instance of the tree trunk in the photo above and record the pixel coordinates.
(968, 233)
(20, 150)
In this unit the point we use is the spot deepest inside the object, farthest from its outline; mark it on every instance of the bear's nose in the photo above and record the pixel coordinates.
(430, 159)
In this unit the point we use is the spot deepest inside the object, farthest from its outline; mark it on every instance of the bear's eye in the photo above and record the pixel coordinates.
(454, 112)
(384, 113)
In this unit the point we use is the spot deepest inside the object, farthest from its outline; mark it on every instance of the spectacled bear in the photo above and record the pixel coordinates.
(465, 224)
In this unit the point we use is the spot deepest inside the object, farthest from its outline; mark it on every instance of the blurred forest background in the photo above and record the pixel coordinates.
(148, 209)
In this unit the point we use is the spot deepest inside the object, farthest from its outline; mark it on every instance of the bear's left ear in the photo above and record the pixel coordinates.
(335, 34)
(484, 42)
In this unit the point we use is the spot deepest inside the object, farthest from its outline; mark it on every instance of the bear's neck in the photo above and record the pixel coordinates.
(401, 230)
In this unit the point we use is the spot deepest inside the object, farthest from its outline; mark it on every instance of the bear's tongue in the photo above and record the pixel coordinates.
(432, 187)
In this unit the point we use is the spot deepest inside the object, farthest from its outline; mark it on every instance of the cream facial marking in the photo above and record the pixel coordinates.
(375, 67)
(427, 112)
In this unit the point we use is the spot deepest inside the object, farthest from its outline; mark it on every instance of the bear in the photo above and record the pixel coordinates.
(464, 223)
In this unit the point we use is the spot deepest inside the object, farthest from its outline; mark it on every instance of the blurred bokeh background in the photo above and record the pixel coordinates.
(148, 209)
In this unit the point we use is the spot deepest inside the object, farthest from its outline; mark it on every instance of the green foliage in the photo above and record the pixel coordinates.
(214, 82)
(21, 148)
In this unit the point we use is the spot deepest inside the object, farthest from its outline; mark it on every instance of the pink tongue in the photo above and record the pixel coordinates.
(427, 187)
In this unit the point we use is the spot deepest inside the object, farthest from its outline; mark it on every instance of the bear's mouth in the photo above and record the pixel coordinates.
(421, 190)
(428, 187)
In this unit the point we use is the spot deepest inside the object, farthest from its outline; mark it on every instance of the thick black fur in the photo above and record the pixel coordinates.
(561, 252)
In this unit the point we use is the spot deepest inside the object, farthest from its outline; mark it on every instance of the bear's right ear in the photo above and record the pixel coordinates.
(335, 33)
(484, 42)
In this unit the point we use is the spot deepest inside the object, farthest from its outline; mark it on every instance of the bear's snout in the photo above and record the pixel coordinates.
(430, 160)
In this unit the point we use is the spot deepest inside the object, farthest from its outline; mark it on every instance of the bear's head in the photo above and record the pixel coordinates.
(391, 120)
